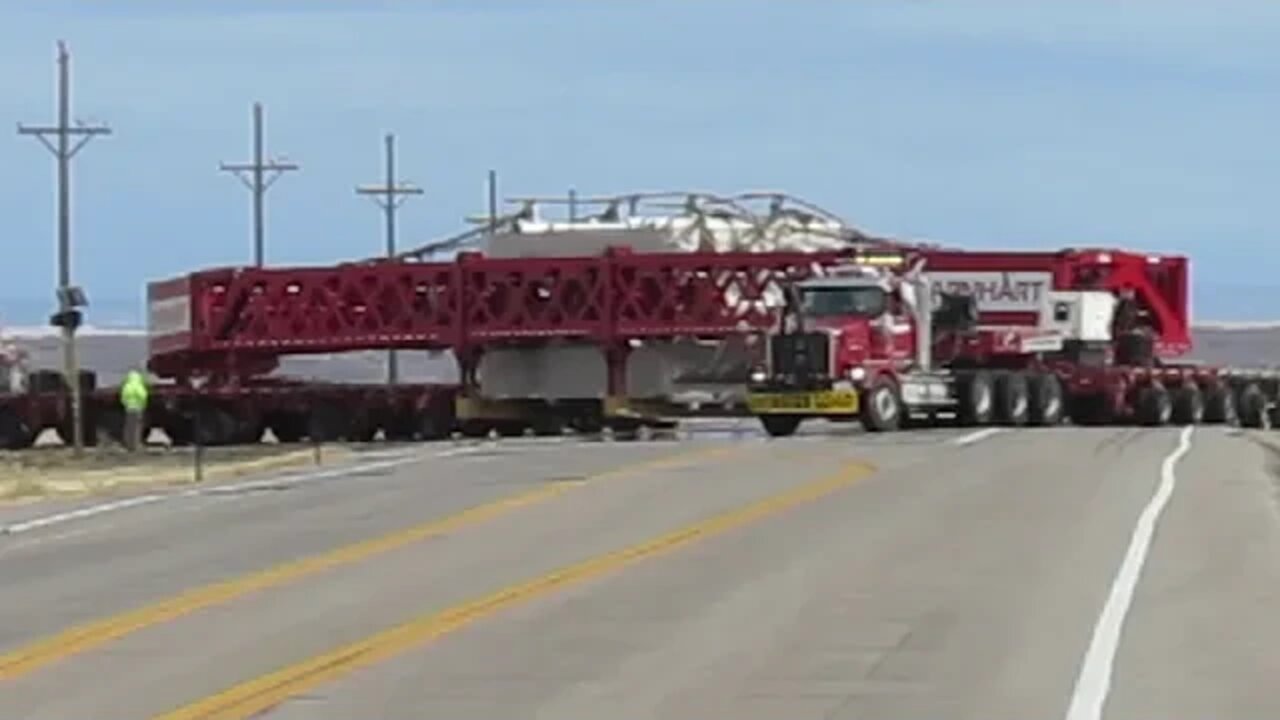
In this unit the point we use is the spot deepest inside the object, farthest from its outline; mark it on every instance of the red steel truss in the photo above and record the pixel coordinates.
(237, 322)
(231, 323)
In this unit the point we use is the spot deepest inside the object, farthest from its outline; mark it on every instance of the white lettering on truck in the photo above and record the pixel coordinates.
(996, 291)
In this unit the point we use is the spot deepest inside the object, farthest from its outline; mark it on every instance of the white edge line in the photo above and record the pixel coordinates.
(286, 479)
(1094, 682)
(976, 436)
(117, 505)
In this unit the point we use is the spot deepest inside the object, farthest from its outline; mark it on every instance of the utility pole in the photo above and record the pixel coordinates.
(493, 203)
(389, 196)
(258, 176)
(70, 297)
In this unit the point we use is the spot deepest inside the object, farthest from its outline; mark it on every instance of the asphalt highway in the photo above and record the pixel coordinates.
(1075, 573)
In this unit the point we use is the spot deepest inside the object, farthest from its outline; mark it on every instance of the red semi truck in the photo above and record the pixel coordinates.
(1011, 338)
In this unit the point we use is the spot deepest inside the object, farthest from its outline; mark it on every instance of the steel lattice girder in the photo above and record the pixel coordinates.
(469, 303)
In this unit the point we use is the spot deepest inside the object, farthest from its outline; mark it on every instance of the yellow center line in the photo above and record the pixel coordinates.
(257, 695)
(96, 633)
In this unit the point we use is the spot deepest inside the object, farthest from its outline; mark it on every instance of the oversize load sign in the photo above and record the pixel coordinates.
(996, 291)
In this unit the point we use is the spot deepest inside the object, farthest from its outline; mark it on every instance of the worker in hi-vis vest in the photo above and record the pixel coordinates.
(133, 396)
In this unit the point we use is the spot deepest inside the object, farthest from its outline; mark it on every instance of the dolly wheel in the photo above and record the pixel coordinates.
(1154, 406)
(1188, 404)
(1252, 406)
(1220, 404)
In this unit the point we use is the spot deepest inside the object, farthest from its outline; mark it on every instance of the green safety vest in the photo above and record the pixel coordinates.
(133, 393)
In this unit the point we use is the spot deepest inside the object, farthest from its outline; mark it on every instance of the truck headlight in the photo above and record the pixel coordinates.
(857, 374)
(758, 375)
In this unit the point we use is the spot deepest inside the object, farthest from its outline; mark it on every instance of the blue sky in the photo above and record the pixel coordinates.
(1020, 124)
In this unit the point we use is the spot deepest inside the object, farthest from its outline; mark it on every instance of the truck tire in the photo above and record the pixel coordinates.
(328, 422)
(780, 425)
(288, 427)
(1153, 406)
(1012, 399)
(214, 426)
(976, 398)
(1047, 406)
(433, 425)
(1252, 406)
(882, 411)
(14, 433)
(1188, 404)
(1219, 403)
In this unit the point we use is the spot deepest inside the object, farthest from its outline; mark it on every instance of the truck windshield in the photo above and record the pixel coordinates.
(862, 301)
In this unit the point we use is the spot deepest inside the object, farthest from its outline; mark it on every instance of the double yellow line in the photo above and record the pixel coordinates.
(94, 634)
(255, 696)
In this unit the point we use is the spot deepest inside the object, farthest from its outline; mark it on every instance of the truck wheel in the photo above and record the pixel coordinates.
(1153, 406)
(327, 423)
(883, 409)
(1046, 399)
(288, 427)
(177, 428)
(14, 433)
(214, 426)
(1188, 404)
(1219, 404)
(1252, 406)
(976, 398)
(780, 425)
(433, 425)
(111, 423)
(1012, 399)
(548, 426)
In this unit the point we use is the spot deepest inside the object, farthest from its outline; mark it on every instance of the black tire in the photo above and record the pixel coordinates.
(882, 407)
(1153, 406)
(14, 433)
(177, 428)
(977, 398)
(1252, 407)
(476, 429)
(433, 425)
(288, 427)
(111, 423)
(327, 422)
(1220, 404)
(780, 425)
(1013, 402)
(214, 426)
(549, 426)
(511, 429)
(1047, 404)
(1188, 404)
(249, 431)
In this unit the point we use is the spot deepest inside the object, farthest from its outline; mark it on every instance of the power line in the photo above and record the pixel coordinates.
(258, 176)
(390, 196)
(70, 297)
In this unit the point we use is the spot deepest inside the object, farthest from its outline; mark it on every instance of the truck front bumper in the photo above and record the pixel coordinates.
(803, 402)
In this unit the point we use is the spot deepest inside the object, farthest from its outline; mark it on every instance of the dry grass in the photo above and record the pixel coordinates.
(55, 472)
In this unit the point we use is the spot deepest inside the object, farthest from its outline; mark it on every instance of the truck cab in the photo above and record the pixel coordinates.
(835, 336)
(884, 347)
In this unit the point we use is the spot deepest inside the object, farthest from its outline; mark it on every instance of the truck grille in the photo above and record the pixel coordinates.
(800, 355)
